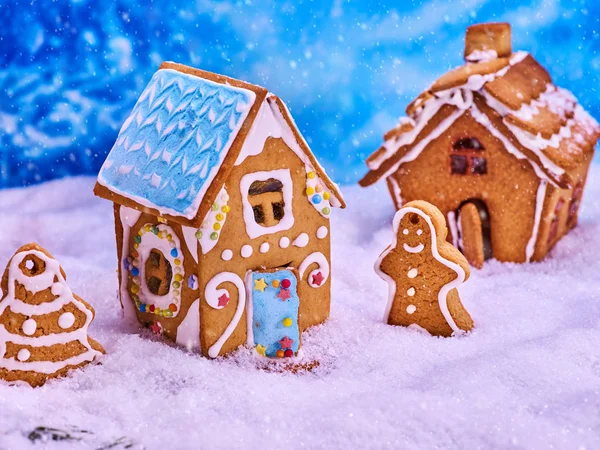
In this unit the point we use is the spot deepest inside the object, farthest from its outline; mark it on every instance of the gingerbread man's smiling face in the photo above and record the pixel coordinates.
(414, 233)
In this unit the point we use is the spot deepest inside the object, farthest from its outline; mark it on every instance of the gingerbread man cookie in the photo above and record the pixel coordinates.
(423, 272)
(43, 325)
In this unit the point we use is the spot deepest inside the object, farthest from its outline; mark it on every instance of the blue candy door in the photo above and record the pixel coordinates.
(273, 305)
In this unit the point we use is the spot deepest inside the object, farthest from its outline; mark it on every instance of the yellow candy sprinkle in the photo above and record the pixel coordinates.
(326, 195)
(135, 289)
(136, 245)
(225, 209)
(287, 322)
(310, 191)
(311, 175)
(220, 217)
(178, 277)
(160, 234)
(147, 227)
(169, 237)
(275, 283)
(177, 261)
(217, 226)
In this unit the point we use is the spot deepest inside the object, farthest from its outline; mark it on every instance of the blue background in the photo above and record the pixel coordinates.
(71, 71)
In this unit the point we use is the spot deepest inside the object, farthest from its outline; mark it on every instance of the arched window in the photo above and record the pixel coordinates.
(158, 273)
(266, 198)
(467, 157)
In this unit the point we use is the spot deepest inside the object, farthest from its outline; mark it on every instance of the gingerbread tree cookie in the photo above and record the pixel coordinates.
(43, 325)
(423, 272)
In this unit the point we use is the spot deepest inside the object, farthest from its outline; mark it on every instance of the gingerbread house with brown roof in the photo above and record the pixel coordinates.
(497, 147)
(221, 216)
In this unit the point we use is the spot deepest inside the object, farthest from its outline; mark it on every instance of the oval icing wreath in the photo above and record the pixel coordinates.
(156, 246)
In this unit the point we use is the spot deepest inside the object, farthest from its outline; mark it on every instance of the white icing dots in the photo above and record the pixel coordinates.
(246, 251)
(264, 247)
(322, 232)
(29, 264)
(411, 292)
(301, 240)
(66, 320)
(411, 309)
(412, 273)
(226, 255)
(23, 355)
(29, 327)
(405, 231)
(284, 242)
(419, 232)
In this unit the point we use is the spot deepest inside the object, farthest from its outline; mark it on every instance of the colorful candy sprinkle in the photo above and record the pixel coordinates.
(215, 207)
(319, 188)
(311, 175)
(178, 277)
(310, 191)
(285, 283)
(135, 271)
(326, 195)
(173, 307)
(177, 262)
(316, 199)
(280, 353)
(220, 217)
(143, 307)
(287, 322)
(138, 239)
(275, 283)
(217, 226)
(326, 211)
(174, 253)
(198, 234)
(176, 284)
(214, 235)
(288, 353)
(226, 209)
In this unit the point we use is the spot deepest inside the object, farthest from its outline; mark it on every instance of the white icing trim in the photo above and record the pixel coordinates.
(207, 230)
(246, 251)
(322, 232)
(539, 207)
(191, 242)
(319, 259)
(264, 247)
(481, 55)
(443, 294)
(226, 255)
(253, 229)
(284, 242)
(416, 249)
(188, 331)
(36, 284)
(263, 127)
(129, 218)
(453, 227)
(301, 241)
(66, 320)
(212, 294)
(397, 192)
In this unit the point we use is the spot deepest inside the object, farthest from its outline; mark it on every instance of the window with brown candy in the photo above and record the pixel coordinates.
(158, 273)
(266, 198)
(467, 157)
(574, 204)
(555, 219)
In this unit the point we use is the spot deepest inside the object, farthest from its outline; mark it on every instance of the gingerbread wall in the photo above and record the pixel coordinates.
(508, 189)
(314, 302)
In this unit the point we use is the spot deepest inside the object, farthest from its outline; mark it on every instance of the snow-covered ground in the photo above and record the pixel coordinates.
(528, 376)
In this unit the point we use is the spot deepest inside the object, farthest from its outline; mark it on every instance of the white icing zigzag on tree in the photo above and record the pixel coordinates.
(36, 284)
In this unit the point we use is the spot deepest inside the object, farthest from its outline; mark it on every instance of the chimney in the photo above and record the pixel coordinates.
(486, 41)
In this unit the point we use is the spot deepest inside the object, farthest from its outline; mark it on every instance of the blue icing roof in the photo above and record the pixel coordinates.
(173, 143)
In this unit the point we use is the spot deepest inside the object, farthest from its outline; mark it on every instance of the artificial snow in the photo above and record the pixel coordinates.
(527, 376)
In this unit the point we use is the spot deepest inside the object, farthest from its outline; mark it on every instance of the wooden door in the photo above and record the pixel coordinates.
(471, 231)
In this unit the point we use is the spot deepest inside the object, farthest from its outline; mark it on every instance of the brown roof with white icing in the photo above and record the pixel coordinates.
(539, 121)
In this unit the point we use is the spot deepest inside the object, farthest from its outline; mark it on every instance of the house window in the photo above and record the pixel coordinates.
(467, 157)
(158, 273)
(555, 220)
(267, 202)
(574, 204)
(266, 198)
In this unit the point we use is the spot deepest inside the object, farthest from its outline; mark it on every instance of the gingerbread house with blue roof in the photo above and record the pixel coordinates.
(221, 216)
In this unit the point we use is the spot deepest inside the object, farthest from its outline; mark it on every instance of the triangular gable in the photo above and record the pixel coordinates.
(155, 165)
